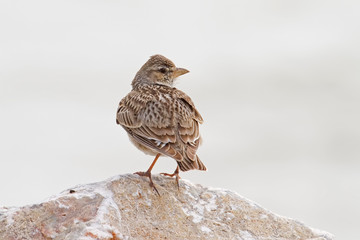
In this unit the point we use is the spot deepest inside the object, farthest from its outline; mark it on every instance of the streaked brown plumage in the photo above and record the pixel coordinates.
(160, 119)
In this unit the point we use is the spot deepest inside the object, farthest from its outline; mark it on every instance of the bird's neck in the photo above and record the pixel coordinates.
(139, 82)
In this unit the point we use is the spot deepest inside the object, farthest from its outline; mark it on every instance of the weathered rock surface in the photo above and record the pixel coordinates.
(125, 207)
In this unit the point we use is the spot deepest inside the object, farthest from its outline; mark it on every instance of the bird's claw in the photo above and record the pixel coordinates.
(148, 174)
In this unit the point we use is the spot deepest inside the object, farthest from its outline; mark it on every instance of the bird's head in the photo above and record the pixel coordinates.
(158, 70)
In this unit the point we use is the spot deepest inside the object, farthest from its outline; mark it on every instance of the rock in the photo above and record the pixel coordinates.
(125, 207)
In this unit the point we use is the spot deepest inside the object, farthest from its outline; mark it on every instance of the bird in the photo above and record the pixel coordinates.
(161, 120)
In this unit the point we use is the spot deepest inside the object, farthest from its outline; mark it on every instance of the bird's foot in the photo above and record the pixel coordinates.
(148, 174)
(175, 174)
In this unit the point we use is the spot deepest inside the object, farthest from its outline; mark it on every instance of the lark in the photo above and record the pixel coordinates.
(161, 120)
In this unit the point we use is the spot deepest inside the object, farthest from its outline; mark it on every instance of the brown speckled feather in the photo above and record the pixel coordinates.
(162, 119)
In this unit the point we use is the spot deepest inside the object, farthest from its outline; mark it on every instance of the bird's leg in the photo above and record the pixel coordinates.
(176, 174)
(148, 173)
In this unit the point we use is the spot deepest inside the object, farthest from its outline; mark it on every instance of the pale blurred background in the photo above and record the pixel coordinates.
(277, 82)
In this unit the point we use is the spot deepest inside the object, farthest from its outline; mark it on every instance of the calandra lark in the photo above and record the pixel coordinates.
(160, 119)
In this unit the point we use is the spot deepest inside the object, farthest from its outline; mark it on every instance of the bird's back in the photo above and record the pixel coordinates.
(165, 120)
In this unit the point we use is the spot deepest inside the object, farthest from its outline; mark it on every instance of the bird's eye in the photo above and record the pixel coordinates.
(162, 70)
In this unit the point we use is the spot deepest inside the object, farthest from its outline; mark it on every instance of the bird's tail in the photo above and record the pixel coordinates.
(187, 164)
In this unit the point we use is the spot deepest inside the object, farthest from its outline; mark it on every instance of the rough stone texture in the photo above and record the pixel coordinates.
(124, 207)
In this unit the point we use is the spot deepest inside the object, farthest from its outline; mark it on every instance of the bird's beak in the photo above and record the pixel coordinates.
(179, 72)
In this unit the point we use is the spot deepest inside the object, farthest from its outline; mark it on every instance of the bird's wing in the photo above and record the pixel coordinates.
(188, 130)
(126, 118)
(189, 120)
(129, 108)
(190, 106)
